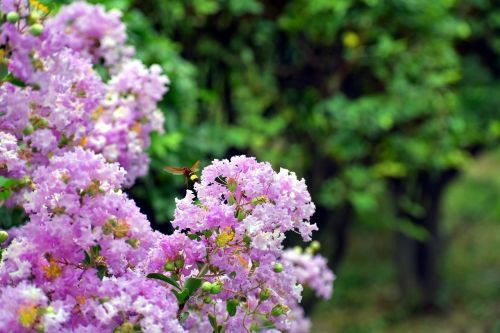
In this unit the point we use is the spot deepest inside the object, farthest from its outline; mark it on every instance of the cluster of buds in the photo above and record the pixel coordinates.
(31, 18)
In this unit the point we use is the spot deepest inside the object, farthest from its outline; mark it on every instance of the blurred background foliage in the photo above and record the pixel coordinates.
(387, 109)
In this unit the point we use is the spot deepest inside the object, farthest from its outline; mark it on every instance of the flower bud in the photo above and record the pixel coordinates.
(13, 17)
(126, 327)
(278, 267)
(134, 242)
(247, 240)
(254, 327)
(216, 288)
(315, 245)
(169, 266)
(264, 294)
(40, 328)
(3, 236)
(179, 262)
(240, 215)
(206, 286)
(259, 200)
(36, 29)
(104, 299)
(278, 310)
(207, 300)
(232, 184)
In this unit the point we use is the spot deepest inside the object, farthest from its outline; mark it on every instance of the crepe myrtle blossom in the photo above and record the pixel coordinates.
(87, 259)
(93, 31)
(52, 99)
(79, 251)
(90, 256)
(225, 262)
(311, 270)
(126, 117)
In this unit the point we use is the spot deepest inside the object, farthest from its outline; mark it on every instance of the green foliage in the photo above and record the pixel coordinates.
(366, 302)
(164, 278)
(351, 94)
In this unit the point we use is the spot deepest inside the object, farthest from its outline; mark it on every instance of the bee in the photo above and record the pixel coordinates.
(189, 173)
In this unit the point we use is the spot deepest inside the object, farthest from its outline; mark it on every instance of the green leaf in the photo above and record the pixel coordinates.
(101, 271)
(192, 284)
(194, 237)
(231, 305)
(232, 186)
(164, 278)
(7, 185)
(182, 296)
(8, 182)
(10, 217)
(4, 195)
(86, 260)
(213, 321)
(14, 80)
(4, 70)
(95, 250)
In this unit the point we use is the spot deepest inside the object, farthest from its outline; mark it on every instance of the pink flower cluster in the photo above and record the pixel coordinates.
(229, 238)
(79, 255)
(53, 100)
(87, 260)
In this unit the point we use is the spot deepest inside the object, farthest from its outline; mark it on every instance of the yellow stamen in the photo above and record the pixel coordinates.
(52, 270)
(96, 114)
(28, 314)
(224, 237)
(121, 229)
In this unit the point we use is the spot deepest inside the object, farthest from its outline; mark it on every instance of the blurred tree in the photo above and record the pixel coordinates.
(379, 104)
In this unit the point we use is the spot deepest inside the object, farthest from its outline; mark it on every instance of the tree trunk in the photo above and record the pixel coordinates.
(340, 232)
(418, 261)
